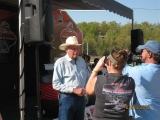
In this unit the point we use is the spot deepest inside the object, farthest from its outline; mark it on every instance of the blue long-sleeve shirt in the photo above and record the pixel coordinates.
(147, 81)
(68, 74)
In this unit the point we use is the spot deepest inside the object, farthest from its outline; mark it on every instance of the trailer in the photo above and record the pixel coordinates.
(30, 34)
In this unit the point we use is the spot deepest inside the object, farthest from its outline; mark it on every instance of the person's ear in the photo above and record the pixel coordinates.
(149, 55)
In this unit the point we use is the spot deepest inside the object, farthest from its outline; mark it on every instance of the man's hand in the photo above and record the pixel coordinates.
(79, 91)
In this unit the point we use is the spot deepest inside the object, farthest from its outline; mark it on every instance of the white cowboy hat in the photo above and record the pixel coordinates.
(72, 40)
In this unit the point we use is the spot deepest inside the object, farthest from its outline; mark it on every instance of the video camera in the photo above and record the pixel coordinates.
(135, 57)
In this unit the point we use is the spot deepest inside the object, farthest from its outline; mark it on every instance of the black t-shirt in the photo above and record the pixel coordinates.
(113, 92)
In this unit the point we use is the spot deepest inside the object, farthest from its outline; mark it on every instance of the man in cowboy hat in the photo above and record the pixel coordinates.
(70, 78)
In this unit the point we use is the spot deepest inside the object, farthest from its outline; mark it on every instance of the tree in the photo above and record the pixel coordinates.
(104, 37)
(101, 47)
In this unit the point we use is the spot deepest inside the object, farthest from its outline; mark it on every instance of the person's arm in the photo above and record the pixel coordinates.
(0, 117)
(91, 83)
(93, 78)
(57, 80)
(125, 70)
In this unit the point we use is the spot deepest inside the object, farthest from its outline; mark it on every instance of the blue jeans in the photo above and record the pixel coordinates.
(71, 107)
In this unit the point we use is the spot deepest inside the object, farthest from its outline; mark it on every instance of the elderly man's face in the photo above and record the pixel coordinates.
(73, 51)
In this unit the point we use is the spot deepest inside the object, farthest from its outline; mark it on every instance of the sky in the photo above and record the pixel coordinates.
(144, 10)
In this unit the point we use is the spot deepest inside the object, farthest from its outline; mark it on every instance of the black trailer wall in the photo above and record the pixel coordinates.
(9, 62)
(9, 57)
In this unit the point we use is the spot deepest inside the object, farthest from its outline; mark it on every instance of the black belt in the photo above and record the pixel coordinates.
(68, 93)
(71, 94)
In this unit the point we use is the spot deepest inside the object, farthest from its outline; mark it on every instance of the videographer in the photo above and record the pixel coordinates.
(146, 102)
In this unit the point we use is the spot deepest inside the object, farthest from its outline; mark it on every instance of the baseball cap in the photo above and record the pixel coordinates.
(152, 46)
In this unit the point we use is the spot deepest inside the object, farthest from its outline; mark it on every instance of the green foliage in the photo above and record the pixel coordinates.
(103, 37)
(101, 47)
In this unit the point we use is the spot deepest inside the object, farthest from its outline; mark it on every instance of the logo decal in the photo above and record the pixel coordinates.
(7, 37)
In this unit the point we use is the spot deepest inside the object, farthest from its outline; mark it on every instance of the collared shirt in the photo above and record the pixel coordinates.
(147, 80)
(69, 74)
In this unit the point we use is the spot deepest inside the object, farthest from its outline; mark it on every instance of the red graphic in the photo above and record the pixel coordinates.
(68, 31)
(91, 110)
(7, 37)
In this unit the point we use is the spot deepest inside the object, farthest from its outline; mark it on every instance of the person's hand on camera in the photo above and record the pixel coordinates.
(100, 65)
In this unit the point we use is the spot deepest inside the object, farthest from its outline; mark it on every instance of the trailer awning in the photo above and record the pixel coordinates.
(111, 5)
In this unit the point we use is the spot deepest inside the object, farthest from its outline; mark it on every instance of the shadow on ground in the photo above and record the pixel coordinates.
(10, 110)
